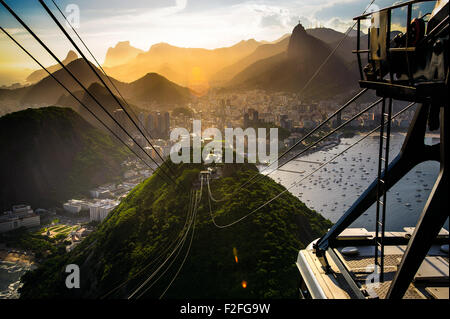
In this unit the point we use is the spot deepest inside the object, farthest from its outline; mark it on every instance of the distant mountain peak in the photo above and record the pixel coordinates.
(299, 29)
(297, 40)
(290, 72)
(122, 44)
(152, 75)
(71, 55)
(40, 74)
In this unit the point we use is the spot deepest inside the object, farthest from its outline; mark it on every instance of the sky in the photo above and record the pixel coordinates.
(187, 23)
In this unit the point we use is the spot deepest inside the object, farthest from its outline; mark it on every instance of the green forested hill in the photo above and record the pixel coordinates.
(52, 153)
(154, 213)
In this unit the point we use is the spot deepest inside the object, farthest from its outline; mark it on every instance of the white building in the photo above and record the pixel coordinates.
(75, 206)
(100, 210)
(104, 191)
(20, 216)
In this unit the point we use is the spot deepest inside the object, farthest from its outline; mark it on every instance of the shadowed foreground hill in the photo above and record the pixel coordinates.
(50, 154)
(153, 215)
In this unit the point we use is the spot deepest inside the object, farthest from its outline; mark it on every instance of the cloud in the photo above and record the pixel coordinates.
(189, 23)
(271, 20)
(339, 24)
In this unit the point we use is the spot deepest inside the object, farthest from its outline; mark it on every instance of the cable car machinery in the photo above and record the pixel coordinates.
(411, 66)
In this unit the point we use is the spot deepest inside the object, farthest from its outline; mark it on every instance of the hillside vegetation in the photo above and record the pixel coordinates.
(134, 234)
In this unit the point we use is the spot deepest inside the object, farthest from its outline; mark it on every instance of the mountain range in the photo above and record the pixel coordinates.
(185, 66)
(150, 89)
(261, 52)
(202, 68)
(167, 75)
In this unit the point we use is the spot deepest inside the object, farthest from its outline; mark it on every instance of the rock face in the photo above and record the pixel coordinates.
(291, 70)
(51, 154)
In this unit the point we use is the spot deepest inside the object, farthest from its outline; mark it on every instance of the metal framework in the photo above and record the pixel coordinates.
(383, 161)
(434, 110)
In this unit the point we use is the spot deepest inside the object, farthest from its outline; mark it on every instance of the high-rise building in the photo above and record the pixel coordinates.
(246, 120)
(285, 122)
(159, 124)
(150, 123)
(166, 122)
(120, 116)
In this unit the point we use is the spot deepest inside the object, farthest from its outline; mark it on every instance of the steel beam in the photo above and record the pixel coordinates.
(413, 152)
(434, 215)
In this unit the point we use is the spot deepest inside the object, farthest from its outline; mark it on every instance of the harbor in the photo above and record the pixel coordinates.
(333, 189)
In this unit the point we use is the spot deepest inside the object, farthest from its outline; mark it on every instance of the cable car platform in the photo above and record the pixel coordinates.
(423, 92)
(351, 273)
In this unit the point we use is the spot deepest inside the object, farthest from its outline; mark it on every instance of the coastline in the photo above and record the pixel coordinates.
(15, 256)
(13, 265)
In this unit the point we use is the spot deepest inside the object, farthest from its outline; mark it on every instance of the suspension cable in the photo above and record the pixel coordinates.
(96, 117)
(164, 251)
(180, 242)
(45, 69)
(332, 52)
(107, 76)
(185, 257)
(50, 13)
(258, 176)
(75, 97)
(307, 84)
(304, 178)
(11, 11)
(316, 129)
(196, 201)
